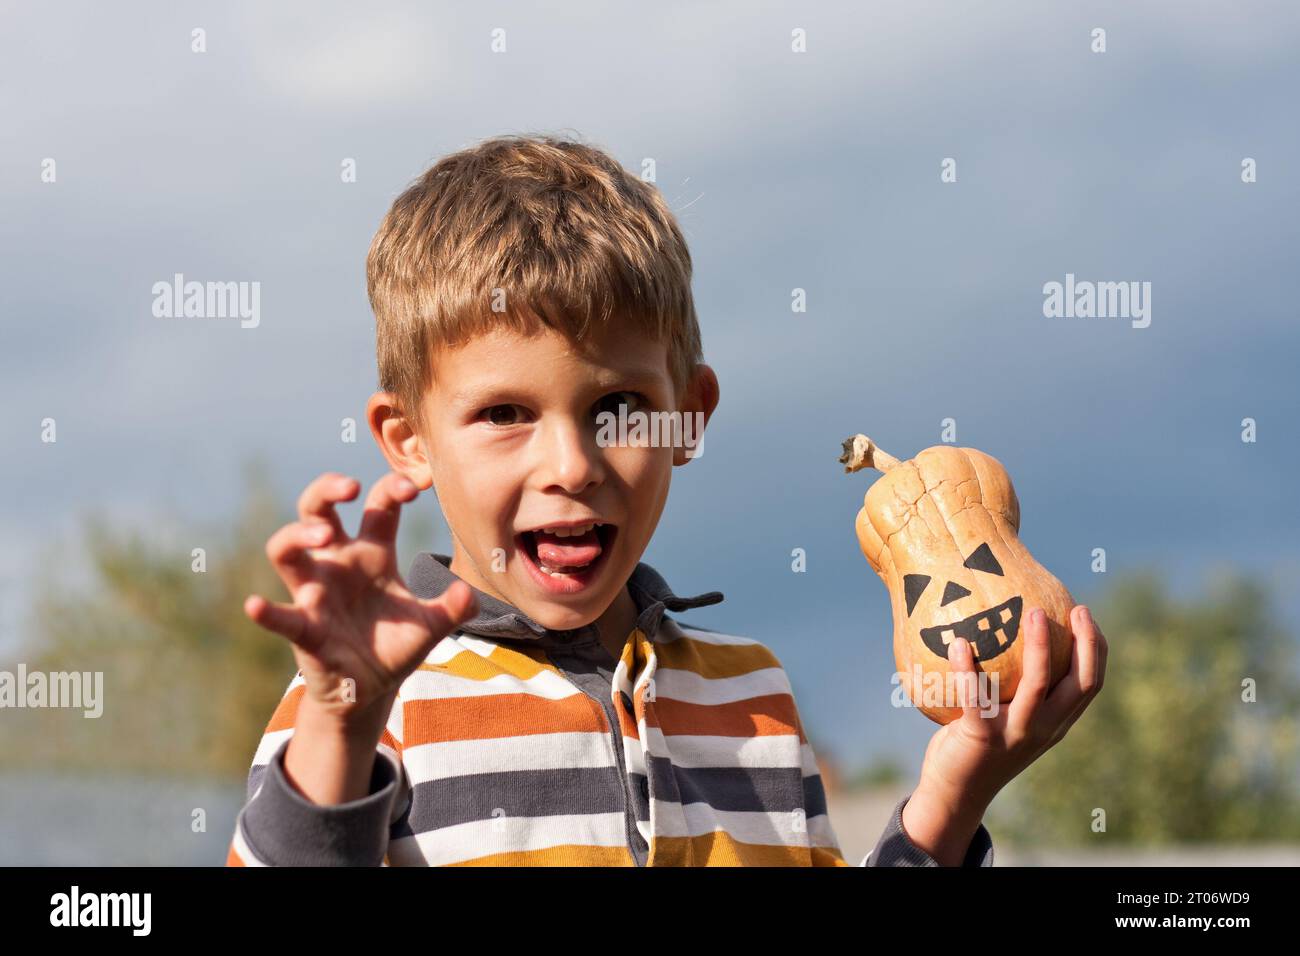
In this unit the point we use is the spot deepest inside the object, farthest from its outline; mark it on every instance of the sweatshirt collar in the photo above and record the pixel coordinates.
(431, 575)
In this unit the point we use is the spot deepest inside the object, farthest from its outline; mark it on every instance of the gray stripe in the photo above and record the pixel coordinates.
(640, 796)
(814, 795)
(539, 793)
(739, 789)
(513, 793)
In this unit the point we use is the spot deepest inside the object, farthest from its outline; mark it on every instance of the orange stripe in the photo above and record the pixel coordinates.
(232, 858)
(286, 717)
(498, 715)
(719, 848)
(286, 712)
(472, 666)
(769, 716)
(575, 854)
(715, 660)
(824, 856)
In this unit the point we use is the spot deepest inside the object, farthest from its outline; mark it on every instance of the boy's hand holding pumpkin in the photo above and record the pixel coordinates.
(973, 757)
(969, 601)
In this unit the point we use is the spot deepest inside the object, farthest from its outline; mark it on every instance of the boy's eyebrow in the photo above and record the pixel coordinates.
(635, 375)
(641, 375)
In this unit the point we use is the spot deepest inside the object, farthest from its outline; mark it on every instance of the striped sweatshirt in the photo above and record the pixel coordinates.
(517, 745)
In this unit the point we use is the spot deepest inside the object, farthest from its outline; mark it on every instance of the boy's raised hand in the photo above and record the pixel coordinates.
(357, 632)
(970, 759)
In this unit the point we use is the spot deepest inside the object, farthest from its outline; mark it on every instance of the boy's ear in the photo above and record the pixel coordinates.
(397, 438)
(702, 395)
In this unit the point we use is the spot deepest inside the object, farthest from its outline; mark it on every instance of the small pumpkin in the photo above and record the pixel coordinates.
(942, 531)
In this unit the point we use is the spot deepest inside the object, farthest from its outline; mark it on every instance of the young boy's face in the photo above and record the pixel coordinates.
(511, 438)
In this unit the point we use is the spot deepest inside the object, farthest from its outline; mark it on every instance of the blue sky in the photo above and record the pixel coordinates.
(817, 170)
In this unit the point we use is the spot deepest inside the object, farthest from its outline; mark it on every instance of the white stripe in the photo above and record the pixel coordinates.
(810, 765)
(821, 833)
(478, 838)
(459, 643)
(478, 645)
(712, 637)
(444, 650)
(622, 682)
(455, 758)
(268, 745)
(634, 753)
(691, 688)
(763, 828)
(775, 751)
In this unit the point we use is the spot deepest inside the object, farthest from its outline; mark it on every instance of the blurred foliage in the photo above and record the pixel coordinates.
(189, 681)
(882, 772)
(1169, 749)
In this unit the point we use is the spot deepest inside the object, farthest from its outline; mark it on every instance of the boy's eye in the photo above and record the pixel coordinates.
(494, 414)
(503, 415)
(610, 402)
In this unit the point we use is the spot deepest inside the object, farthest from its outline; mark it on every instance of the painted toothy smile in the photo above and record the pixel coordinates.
(990, 632)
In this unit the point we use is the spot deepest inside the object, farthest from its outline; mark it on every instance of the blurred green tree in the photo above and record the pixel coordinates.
(1170, 749)
(189, 681)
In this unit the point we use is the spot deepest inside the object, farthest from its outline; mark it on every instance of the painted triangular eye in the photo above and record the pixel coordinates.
(983, 560)
(952, 592)
(913, 585)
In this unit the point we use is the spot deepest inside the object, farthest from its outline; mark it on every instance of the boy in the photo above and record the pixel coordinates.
(527, 700)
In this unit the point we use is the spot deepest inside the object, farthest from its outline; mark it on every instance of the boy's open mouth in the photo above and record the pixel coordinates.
(560, 551)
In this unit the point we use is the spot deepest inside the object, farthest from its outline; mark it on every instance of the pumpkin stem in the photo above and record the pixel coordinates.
(861, 452)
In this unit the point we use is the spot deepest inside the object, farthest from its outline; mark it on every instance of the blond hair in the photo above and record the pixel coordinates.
(555, 228)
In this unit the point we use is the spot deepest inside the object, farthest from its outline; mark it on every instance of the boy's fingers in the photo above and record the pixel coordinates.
(316, 504)
(961, 659)
(287, 550)
(384, 507)
(1087, 666)
(455, 606)
(284, 619)
(1035, 675)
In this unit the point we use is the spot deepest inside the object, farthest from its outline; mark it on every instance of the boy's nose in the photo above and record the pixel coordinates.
(569, 458)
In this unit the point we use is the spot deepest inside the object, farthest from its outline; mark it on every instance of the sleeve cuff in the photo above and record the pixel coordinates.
(284, 828)
(895, 849)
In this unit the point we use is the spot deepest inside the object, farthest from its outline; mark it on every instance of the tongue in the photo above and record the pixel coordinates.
(572, 552)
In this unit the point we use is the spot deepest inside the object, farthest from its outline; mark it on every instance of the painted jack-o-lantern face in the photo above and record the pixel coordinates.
(990, 630)
(941, 530)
